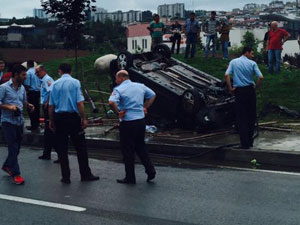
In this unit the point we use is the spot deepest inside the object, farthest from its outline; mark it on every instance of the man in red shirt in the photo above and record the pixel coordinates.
(277, 37)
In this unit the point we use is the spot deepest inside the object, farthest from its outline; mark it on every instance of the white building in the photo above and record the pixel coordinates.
(138, 38)
(124, 17)
(97, 11)
(171, 10)
(276, 5)
(39, 13)
(251, 6)
(15, 32)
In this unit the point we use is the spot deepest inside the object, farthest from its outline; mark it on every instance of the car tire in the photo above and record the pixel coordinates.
(163, 50)
(124, 60)
(192, 101)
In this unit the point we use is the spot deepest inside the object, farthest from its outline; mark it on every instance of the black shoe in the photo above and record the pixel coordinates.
(125, 181)
(65, 180)
(151, 176)
(44, 157)
(56, 161)
(31, 128)
(241, 147)
(90, 178)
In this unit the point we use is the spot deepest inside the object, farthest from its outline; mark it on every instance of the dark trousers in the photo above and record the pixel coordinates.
(191, 39)
(132, 135)
(176, 38)
(13, 136)
(69, 124)
(245, 102)
(50, 140)
(34, 99)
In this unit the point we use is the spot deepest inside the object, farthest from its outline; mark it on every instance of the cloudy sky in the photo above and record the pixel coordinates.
(23, 8)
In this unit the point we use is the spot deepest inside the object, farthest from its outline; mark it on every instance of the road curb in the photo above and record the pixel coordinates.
(262, 156)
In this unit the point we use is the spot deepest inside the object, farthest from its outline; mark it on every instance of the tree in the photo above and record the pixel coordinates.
(250, 41)
(71, 15)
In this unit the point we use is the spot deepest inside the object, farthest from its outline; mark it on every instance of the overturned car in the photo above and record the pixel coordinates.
(186, 97)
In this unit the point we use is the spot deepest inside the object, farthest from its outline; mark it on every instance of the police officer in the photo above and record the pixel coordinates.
(33, 86)
(67, 101)
(49, 136)
(243, 69)
(127, 100)
(12, 100)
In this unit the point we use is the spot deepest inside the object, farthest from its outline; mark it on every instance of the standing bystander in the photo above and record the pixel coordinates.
(2, 67)
(265, 45)
(33, 86)
(192, 33)
(210, 28)
(127, 101)
(12, 100)
(277, 37)
(157, 30)
(176, 29)
(224, 38)
(49, 135)
(7, 75)
(67, 118)
(243, 69)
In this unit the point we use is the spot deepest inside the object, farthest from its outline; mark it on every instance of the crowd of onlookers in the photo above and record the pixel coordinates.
(191, 29)
(273, 40)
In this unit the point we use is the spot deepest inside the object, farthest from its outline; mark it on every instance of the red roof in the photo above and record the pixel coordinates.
(138, 30)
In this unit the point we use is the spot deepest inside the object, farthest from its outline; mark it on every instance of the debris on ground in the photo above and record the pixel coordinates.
(151, 129)
(270, 108)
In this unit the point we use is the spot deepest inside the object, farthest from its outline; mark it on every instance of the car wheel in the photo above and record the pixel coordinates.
(124, 60)
(192, 101)
(163, 50)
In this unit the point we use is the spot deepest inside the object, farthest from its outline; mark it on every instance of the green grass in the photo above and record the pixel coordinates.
(277, 89)
(280, 89)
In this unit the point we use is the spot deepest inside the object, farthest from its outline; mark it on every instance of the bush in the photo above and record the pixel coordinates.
(250, 41)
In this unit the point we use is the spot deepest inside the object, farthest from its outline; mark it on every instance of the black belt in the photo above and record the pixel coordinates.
(246, 87)
(66, 113)
(132, 121)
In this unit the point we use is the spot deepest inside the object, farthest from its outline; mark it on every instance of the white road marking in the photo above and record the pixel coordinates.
(42, 203)
(260, 170)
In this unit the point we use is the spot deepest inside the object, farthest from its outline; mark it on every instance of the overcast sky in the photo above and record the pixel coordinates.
(23, 8)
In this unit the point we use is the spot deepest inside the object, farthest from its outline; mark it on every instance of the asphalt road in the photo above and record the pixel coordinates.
(208, 196)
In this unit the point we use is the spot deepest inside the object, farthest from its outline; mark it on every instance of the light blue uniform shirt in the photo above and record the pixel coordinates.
(65, 93)
(47, 81)
(243, 70)
(130, 96)
(32, 80)
(191, 27)
(11, 96)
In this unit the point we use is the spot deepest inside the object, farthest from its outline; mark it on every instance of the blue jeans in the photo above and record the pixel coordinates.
(191, 39)
(225, 49)
(13, 136)
(210, 38)
(274, 55)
